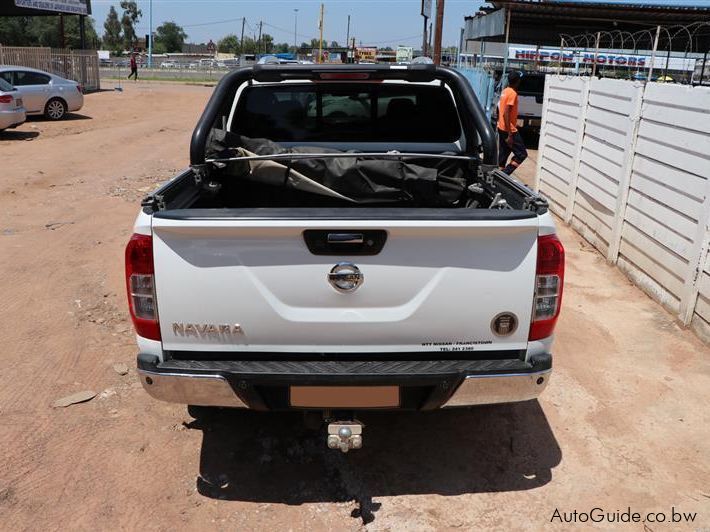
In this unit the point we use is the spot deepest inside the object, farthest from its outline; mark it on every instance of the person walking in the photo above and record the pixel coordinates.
(509, 139)
(134, 68)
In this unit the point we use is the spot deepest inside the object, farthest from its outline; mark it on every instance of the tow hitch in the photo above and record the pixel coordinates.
(345, 435)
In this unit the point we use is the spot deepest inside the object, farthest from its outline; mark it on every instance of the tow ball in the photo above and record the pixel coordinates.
(345, 435)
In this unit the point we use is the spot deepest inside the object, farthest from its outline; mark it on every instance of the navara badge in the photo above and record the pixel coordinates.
(345, 277)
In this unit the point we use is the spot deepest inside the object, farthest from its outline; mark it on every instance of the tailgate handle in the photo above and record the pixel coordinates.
(345, 238)
(345, 241)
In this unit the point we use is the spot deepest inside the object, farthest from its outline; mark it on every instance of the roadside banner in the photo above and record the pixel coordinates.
(75, 7)
(553, 55)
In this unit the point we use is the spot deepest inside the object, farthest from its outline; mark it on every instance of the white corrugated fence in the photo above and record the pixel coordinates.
(627, 164)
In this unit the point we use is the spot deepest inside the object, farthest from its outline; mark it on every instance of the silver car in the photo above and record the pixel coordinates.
(44, 93)
(12, 113)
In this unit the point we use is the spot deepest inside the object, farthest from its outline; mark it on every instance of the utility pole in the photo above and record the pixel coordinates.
(458, 55)
(429, 47)
(347, 38)
(259, 39)
(295, 31)
(439, 29)
(425, 40)
(241, 43)
(150, 33)
(320, 45)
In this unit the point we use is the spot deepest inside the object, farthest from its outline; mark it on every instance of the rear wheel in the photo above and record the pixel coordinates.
(55, 109)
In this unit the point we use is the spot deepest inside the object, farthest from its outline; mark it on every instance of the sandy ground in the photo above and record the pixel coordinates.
(624, 422)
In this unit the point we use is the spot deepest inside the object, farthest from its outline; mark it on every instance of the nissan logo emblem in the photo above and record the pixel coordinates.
(345, 277)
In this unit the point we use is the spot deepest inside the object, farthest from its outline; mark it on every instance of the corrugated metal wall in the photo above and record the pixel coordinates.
(627, 164)
(483, 85)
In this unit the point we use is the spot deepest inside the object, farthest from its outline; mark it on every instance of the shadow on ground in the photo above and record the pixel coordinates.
(67, 118)
(272, 457)
(11, 134)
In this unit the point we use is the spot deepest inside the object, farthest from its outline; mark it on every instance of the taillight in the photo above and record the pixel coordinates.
(549, 279)
(6, 98)
(140, 284)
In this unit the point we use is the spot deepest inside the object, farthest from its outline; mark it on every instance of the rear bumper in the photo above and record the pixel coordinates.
(12, 117)
(264, 384)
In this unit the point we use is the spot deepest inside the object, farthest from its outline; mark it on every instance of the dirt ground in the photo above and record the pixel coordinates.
(624, 422)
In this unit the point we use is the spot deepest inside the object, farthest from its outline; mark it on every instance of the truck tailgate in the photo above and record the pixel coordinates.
(253, 285)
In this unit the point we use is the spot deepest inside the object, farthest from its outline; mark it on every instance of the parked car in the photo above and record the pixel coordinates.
(169, 64)
(12, 112)
(44, 93)
(273, 60)
(371, 256)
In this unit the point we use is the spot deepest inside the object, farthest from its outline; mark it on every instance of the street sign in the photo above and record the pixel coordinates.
(74, 7)
(426, 8)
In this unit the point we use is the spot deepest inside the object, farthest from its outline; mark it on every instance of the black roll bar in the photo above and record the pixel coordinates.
(473, 118)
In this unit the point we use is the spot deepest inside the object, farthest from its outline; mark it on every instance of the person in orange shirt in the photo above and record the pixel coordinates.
(509, 139)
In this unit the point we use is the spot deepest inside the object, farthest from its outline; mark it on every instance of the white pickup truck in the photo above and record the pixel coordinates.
(343, 241)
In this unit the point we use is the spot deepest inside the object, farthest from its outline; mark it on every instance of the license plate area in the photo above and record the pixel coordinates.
(18, 102)
(344, 396)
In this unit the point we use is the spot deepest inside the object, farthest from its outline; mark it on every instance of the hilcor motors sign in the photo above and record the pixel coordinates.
(76, 7)
(601, 58)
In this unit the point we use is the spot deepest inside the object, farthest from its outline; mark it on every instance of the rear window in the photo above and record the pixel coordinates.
(5, 86)
(347, 113)
(24, 77)
(532, 85)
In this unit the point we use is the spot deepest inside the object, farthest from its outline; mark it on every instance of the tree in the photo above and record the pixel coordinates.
(113, 40)
(170, 37)
(44, 31)
(267, 43)
(334, 44)
(129, 20)
(228, 44)
(281, 48)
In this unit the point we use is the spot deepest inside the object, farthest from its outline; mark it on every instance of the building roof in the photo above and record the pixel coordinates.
(543, 21)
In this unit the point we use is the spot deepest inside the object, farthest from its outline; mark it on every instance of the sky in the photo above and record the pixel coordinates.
(374, 22)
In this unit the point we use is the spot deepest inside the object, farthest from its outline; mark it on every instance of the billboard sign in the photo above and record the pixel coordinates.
(73, 7)
(426, 8)
(366, 55)
(545, 55)
(404, 54)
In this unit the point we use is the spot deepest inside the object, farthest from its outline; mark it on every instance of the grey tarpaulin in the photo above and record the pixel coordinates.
(422, 182)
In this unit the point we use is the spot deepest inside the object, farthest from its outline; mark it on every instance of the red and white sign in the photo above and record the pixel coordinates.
(553, 55)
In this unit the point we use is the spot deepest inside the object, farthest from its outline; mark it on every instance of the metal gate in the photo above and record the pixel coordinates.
(79, 65)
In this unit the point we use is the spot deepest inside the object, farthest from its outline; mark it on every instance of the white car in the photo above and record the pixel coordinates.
(43, 93)
(371, 256)
(169, 64)
(12, 113)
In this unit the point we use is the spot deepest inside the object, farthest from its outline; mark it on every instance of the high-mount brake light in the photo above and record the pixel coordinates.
(344, 75)
(549, 280)
(140, 285)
